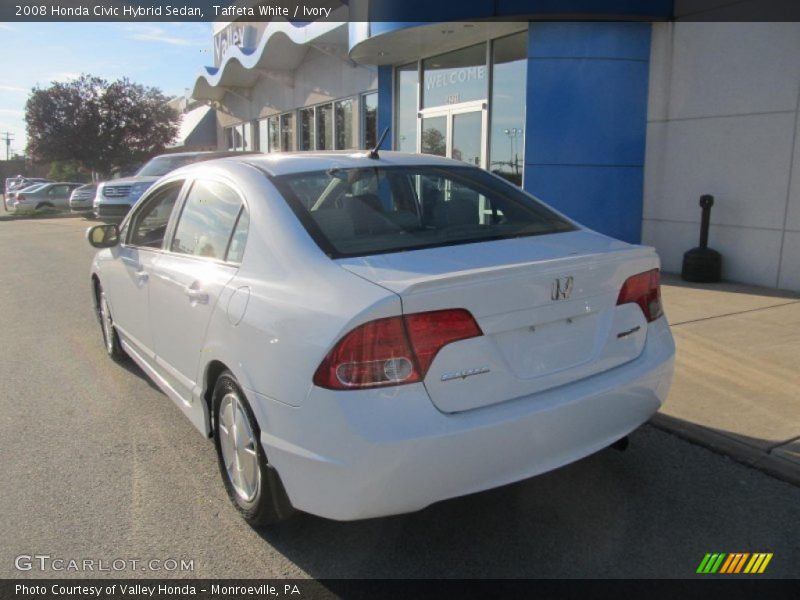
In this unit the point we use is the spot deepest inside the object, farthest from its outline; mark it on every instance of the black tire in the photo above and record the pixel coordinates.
(104, 317)
(269, 504)
(42, 205)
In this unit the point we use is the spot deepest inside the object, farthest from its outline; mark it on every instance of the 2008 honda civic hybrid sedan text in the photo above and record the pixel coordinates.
(366, 335)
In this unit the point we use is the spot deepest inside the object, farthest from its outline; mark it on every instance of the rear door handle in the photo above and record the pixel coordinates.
(196, 295)
(142, 276)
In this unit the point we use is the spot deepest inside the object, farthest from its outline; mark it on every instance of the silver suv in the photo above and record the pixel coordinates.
(115, 198)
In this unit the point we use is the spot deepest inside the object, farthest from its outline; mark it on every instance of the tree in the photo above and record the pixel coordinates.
(97, 124)
(433, 142)
(66, 171)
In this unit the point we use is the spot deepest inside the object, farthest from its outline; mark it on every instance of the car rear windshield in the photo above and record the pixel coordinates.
(162, 165)
(358, 212)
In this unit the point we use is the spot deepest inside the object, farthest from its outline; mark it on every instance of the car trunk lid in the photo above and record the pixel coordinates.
(546, 306)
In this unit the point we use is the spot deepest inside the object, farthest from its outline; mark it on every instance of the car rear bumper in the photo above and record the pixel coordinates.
(354, 455)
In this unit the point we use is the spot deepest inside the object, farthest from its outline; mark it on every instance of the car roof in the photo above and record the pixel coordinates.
(298, 162)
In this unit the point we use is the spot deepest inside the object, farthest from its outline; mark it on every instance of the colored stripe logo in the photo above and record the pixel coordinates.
(734, 563)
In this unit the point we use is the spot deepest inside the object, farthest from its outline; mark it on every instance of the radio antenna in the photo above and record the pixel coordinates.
(374, 152)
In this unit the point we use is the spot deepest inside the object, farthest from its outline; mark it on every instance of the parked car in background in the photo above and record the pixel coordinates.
(114, 198)
(82, 199)
(46, 195)
(12, 195)
(19, 182)
(16, 184)
(365, 336)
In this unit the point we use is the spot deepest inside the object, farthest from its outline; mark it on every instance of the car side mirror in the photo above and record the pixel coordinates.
(103, 236)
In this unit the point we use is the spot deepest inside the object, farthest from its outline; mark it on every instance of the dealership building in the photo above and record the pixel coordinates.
(621, 118)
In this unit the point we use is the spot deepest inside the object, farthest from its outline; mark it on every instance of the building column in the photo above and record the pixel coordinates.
(586, 120)
(385, 104)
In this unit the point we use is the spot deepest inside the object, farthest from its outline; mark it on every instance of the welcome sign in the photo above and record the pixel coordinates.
(454, 77)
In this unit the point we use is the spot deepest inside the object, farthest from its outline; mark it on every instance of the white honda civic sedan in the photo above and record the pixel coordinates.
(365, 336)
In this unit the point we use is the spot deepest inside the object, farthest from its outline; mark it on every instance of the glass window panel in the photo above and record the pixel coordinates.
(149, 224)
(434, 136)
(239, 238)
(274, 127)
(263, 136)
(325, 127)
(345, 124)
(230, 141)
(247, 136)
(407, 81)
(509, 64)
(287, 132)
(370, 110)
(306, 129)
(207, 220)
(237, 138)
(454, 77)
(467, 137)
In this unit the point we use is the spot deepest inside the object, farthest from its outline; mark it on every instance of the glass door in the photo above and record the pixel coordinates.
(457, 131)
(433, 139)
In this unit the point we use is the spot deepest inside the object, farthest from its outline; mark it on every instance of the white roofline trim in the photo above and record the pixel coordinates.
(249, 59)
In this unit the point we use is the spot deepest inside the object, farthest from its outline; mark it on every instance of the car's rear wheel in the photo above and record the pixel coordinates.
(252, 484)
(110, 335)
(42, 205)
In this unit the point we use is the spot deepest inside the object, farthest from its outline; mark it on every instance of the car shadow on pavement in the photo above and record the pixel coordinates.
(130, 365)
(646, 512)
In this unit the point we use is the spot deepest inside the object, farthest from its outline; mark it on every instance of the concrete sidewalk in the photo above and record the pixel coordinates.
(737, 377)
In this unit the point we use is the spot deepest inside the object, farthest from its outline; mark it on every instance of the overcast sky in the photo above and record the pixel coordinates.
(165, 55)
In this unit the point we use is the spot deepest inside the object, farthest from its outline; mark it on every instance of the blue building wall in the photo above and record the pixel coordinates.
(586, 118)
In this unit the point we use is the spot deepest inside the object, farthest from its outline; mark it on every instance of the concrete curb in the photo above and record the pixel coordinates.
(756, 458)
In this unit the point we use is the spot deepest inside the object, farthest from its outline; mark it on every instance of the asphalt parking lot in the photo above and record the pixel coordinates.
(95, 462)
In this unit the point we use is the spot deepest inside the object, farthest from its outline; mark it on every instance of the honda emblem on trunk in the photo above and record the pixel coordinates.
(562, 288)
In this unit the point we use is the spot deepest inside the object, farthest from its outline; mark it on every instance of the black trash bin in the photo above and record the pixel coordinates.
(703, 264)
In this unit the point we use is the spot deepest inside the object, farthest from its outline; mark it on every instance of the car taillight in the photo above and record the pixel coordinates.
(20, 197)
(393, 351)
(643, 289)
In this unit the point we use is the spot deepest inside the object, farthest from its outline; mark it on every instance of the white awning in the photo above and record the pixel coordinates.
(280, 50)
(189, 123)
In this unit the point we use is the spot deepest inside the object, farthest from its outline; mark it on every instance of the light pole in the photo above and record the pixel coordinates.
(513, 158)
(8, 136)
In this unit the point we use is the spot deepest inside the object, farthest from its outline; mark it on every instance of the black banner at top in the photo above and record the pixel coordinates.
(418, 11)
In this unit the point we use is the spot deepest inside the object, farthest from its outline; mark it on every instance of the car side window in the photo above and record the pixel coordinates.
(207, 220)
(239, 238)
(149, 225)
